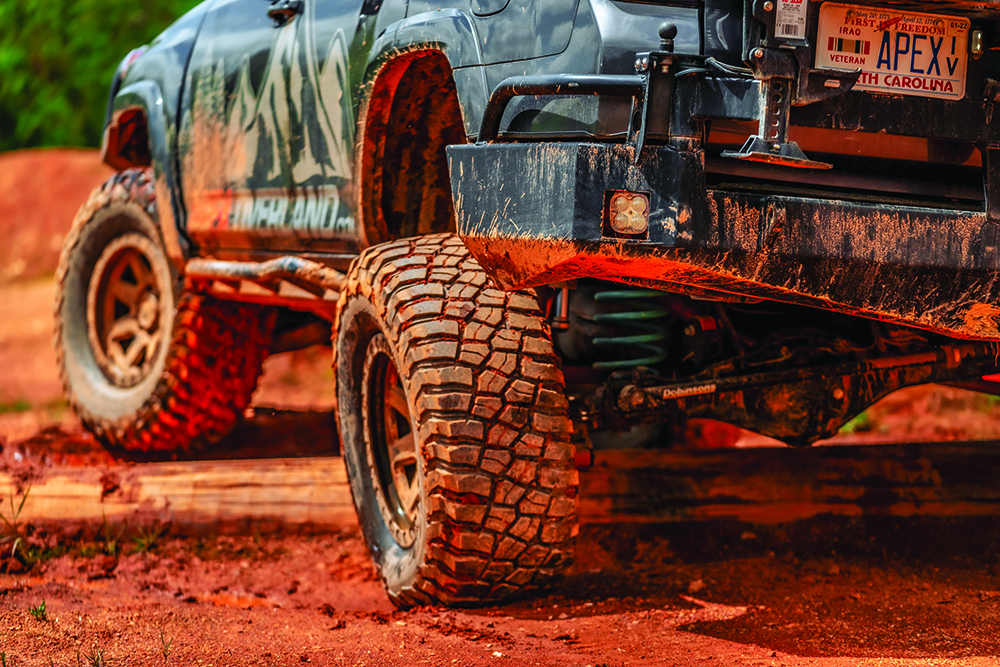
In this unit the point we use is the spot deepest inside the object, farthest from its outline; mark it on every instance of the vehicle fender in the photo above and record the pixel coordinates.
(451, 32)
(146, 97)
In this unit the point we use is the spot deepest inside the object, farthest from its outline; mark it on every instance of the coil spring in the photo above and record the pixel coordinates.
(638, 318)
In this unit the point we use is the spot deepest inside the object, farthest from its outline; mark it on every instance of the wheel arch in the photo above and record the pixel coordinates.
(138, 135)
(452, 33)
(424, 89)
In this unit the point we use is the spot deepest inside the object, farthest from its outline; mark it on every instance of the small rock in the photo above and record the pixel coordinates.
(855, 595)
(747, 535)
(833, 570)
(696, 586)
(563, 616)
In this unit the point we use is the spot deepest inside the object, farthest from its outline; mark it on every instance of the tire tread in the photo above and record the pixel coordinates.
(493, 476)
(212, 367)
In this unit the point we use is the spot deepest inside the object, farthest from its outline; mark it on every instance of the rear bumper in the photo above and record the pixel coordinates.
(532, 214)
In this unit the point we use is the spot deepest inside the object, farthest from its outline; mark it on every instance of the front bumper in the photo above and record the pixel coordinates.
(532, 214)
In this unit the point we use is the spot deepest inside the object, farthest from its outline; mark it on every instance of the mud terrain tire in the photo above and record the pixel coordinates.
(195, 360)
(491, 462)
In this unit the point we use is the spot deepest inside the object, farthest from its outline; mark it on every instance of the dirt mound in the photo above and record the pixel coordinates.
(40, 192)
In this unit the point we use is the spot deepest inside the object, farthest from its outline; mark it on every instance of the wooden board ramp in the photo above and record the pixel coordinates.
(777, 485)
(772, 485)
(269, 495)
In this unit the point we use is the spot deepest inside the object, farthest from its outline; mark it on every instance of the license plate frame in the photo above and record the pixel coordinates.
(898, 52)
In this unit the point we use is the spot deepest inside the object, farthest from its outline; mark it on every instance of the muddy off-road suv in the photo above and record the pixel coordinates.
(535, 228)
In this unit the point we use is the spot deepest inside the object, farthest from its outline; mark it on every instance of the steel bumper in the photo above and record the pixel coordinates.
(533, 214)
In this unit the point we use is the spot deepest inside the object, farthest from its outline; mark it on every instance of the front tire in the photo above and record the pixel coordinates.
(147, 367)
(454, 426)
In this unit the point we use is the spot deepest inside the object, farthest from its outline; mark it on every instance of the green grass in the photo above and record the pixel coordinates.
(12, 529)
(39, 612)
(96, 657)
(147, 537)
(860, 424)
(165, 646)
(15, 407)
(988, 402)
(56, 408)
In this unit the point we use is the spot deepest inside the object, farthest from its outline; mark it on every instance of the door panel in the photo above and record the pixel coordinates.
(523, 29)
(267, 144)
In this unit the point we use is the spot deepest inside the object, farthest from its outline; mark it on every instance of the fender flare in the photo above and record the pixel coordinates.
(146, 98)
(450, 32)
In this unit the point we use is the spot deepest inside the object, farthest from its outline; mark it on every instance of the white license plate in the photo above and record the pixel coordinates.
(904, 53)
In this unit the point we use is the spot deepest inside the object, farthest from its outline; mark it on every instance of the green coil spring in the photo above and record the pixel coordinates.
(640, 317)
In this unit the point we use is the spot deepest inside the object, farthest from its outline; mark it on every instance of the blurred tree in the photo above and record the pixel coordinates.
(57, 58)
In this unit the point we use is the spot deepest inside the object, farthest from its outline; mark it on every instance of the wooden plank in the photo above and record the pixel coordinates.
(278, 494)
(775, 485)
(771, 485)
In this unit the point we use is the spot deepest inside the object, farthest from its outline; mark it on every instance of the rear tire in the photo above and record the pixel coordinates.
(147, 367)
(454, 426)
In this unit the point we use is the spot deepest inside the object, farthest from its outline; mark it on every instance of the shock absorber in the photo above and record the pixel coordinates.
(641, 316)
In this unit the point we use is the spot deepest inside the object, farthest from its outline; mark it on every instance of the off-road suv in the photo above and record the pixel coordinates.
(534, 228)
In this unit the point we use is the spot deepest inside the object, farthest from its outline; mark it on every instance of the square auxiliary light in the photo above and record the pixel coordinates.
(626, 214)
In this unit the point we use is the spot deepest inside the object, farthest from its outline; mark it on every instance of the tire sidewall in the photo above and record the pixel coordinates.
(399, 566)
(91, 390)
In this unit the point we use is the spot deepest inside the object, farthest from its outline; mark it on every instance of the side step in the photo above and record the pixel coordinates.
(285, 281)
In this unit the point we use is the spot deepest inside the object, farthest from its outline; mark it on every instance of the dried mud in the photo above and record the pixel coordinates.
(868, 590)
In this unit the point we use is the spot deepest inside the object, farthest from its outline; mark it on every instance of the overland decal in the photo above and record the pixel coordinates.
(241, 144)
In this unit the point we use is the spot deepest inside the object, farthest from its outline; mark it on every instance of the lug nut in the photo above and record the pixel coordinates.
(838, 394)
(768, 6)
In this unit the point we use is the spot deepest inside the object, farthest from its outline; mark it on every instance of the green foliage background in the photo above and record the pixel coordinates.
(57, 58)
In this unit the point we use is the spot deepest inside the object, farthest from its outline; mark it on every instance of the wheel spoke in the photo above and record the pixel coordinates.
(391, 428)
(135, 350)
(143, 276)
(127, 357)
(126, 327)
(396, 398)
(402, 452)
(127, 293)
(403, 457)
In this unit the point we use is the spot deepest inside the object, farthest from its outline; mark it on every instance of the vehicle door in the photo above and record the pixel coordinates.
(520, 29)
(267, 143)
(331, 36)
(235, 124)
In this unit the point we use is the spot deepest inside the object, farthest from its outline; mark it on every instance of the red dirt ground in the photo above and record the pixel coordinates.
(829, 591)
(40, 192)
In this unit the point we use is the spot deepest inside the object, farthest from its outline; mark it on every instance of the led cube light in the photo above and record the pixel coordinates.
(628, 213)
